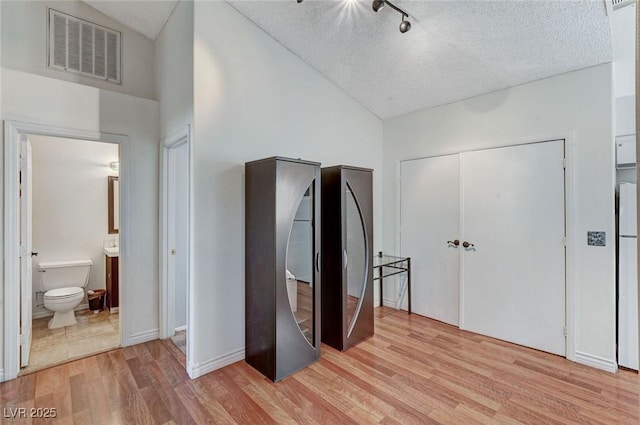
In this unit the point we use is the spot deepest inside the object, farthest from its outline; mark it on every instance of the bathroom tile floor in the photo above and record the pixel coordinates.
(180, 341)
(94, 333)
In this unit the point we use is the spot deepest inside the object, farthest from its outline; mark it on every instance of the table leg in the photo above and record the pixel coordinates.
(409, 282)
(381, 273)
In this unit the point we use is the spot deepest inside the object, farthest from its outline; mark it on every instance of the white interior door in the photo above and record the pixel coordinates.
(177, 234)
(429, 217)
(26, 302)
(513, 278)
(181, 226)
(171, 241)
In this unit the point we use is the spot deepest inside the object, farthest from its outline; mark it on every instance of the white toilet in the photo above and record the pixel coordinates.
(63, 284)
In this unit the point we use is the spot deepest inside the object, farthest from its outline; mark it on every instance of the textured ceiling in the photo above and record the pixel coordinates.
(146, 17)
(455, 49)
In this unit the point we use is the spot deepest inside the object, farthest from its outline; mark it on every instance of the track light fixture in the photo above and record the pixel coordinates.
(379, 4)
(404, 25)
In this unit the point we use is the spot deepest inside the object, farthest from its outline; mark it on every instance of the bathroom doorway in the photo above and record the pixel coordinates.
(57, 196)
(176, 237)
(73, 220)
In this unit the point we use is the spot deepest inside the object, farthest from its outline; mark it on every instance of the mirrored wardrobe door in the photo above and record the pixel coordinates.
(300, 272)
(355, 258)
(347, 262)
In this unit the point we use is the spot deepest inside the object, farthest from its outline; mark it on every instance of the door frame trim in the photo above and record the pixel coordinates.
(12, 132)
(569, 193)
(166, 293)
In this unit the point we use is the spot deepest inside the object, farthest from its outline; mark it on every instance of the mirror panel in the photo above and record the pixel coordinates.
(300, 271)
(356, 255)
(113, 193)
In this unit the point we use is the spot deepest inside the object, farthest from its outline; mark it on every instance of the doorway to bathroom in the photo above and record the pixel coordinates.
(63, 197)
(176, 247)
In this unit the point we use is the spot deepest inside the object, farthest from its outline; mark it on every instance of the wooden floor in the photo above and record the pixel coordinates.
(413, 371)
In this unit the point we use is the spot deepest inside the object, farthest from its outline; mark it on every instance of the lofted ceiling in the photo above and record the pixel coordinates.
(455, 49)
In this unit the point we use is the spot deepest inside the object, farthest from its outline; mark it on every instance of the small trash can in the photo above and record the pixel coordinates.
(96, 299)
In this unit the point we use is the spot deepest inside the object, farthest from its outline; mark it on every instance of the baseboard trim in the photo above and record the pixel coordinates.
(181, 328)
(596, 362)
(198, 369)
(145, 336)
(388, 302)
(47, 313)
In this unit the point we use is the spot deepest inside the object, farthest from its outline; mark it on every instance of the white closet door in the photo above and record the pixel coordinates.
(513, 279)
(430, 210)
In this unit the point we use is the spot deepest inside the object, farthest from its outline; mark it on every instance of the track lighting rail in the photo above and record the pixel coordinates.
(379, 4)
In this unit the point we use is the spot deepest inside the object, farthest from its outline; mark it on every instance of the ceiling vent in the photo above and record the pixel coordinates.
(82, 47)
(617, 4)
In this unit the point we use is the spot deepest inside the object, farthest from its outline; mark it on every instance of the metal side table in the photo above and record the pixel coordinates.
(387, 266)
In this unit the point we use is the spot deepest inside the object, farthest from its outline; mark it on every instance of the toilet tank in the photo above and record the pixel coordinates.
(64, 274)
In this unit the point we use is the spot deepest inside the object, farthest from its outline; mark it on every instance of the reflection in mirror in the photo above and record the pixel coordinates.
(113, 193)
(300, 266)
(356, 260)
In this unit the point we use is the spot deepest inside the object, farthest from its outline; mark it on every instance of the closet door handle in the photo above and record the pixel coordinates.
(345, 258)
(467, 244)
(317, 262)
(455, 242)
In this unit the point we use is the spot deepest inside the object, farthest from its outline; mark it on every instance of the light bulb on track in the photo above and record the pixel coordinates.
(404, 25)
(377, 5)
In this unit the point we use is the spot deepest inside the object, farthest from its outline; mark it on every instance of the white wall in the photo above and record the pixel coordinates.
(70, 207)
(254, 99)
(1, 231)
(174, 83)
(76, 106)
(174, 70)
(578, 102)
(24, 32)
(623, 31)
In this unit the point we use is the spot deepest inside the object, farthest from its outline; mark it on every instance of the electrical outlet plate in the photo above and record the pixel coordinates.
(596, 238)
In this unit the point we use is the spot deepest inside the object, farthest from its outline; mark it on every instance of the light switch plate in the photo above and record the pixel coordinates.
(596, 238)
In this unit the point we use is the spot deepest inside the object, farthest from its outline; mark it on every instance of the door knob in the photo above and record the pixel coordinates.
(467, 244)
(34, 253)
(455, 242)
(173, 252)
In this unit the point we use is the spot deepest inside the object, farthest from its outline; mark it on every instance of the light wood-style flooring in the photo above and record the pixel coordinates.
(413, 371)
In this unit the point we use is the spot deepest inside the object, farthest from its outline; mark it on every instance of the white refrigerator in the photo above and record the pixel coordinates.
(628, 279)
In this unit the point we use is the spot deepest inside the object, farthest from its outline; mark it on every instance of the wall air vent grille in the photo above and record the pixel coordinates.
(82, 47)
(617, 4)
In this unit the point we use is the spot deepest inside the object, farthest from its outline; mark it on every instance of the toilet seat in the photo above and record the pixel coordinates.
(63, 293)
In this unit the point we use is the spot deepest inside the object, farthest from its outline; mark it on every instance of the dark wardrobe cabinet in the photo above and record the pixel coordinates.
(282, 271)
(347, 260)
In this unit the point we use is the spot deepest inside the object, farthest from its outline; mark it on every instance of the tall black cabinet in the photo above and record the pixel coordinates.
(347, 259)
(282, 270)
